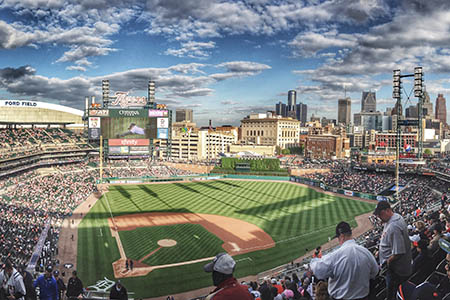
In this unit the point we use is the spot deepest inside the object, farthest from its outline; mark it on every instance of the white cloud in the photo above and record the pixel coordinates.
(76, 68)
(192, 49)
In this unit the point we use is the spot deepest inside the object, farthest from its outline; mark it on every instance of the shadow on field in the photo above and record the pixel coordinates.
(154, 195)
(187, 188)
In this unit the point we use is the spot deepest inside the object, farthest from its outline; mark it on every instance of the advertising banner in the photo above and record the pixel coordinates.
(128, 142)
(94, 122)
(163, 133)
(162, 123)
(118, 150)
(348, 193)
(99, 112)
(133, 113)
(94, 133)
(139, 150)
(158, 113)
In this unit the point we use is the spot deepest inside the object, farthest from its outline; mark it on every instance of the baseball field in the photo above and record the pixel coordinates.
(170, 230)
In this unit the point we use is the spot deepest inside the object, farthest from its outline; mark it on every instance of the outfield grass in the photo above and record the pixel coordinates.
(297, 218)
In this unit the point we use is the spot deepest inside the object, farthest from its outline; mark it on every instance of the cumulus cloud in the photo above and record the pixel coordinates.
(183, 81)
(192, 49)
(76, 68)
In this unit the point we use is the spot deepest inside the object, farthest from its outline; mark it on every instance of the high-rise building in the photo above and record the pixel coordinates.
(292, 99)
(292, 104)
(184, 115)
(281, 109)
(427, 105)
(344, 111)
(441, 109)
(369, 102)
(412, 111)
(301, 111)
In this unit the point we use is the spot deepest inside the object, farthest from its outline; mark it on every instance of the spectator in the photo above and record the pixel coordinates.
(348, 269)
(74, 287)
(222, 268)
(118, 292)
(48, 288)
(60, 283)
(265, 288)
(394, 249)
(12, 283)
(28, 282)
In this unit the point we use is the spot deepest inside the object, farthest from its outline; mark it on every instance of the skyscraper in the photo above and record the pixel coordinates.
(441, 109)
(280, 109)
(301, 111)
(369, 102)
(344, 111)
(292, 99)
(427, 105)
(184, 115)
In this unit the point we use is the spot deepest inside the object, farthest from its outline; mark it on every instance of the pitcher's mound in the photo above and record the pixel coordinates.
(167, 243)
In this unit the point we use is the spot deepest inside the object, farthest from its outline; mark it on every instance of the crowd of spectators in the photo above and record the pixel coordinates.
(344, 177)
(29, 200)
(19, 142)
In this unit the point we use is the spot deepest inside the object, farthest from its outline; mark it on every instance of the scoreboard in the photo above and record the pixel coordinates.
(128, 132)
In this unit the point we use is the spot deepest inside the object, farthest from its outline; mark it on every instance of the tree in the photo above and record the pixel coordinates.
(427, 152)
(285, 151)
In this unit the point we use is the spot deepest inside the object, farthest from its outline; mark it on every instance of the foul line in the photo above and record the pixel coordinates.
(150, 254)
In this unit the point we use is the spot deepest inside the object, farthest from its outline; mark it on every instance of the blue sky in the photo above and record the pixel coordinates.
(223, 58)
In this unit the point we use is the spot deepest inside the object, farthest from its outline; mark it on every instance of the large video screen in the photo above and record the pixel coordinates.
(128, 128)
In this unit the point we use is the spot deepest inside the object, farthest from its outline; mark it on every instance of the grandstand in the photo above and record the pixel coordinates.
(47, 172)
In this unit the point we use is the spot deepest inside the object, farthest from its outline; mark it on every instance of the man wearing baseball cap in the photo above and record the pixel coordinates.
(395, 248)
(227, 287)
(349, 269)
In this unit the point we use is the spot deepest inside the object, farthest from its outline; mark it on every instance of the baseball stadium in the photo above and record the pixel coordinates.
(121, 209)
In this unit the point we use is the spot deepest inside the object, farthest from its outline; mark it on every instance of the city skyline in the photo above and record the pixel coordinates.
(223, 59)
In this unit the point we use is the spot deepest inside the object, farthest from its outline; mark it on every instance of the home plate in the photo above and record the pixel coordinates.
(167, 243)
(235, 247)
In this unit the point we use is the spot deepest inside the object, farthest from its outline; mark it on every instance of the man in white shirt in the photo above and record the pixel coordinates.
(348, 269)
(395, 248)
(12, 283)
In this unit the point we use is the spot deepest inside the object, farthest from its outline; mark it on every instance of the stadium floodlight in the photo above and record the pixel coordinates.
(418, 81)
(397, 84)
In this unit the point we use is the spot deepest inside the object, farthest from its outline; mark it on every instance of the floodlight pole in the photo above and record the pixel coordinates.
(397, 94)
(101, 158)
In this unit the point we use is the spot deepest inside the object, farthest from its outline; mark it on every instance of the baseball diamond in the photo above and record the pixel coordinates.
(169, 230)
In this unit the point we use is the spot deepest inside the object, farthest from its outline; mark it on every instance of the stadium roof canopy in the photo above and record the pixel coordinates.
(34, 113)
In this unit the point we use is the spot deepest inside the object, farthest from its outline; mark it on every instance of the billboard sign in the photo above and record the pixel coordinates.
(99, 112)
(139, 150)
(133, 113)
(128, 142)
(163, 133)
(122, 100)
(118, 150)
(94, 122)
(158, 113)
(162, 123)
